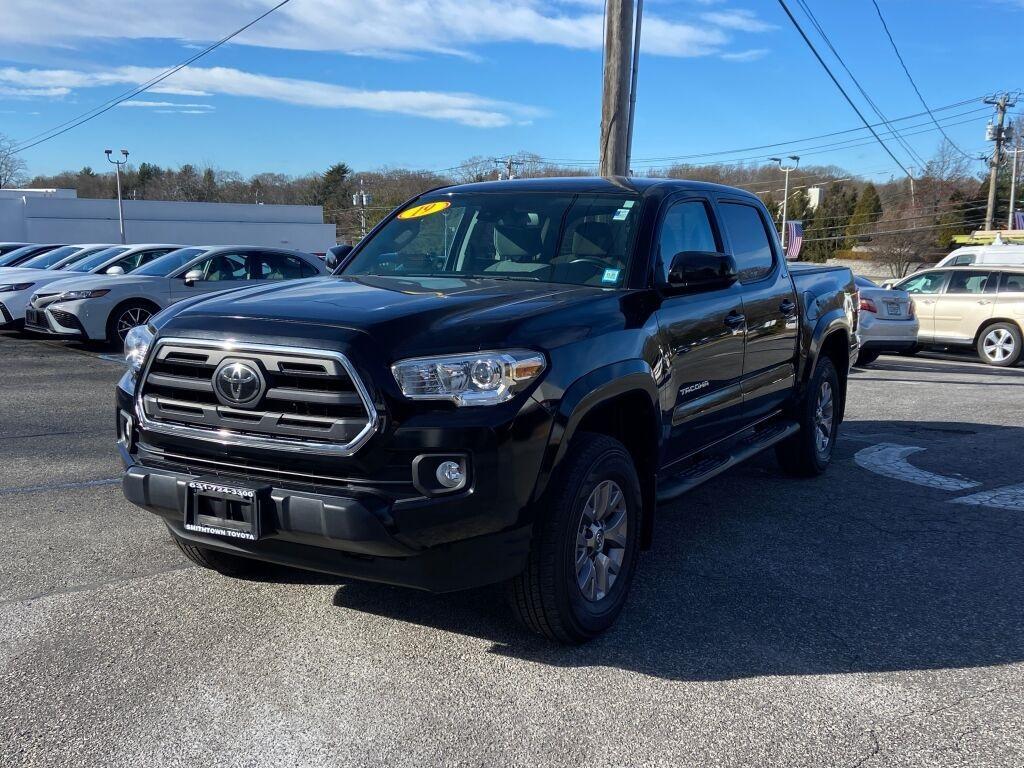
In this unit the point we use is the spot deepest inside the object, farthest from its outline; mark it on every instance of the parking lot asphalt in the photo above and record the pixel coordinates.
(872, 616)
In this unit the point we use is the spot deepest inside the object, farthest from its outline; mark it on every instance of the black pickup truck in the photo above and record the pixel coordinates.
(498, 384)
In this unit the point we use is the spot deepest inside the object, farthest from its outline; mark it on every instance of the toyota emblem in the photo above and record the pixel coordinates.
(238, 383)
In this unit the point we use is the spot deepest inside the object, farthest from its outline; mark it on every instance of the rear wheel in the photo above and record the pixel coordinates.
(126, 317)
(585, 545)
(866, 357)
(809, 451)
(1000, 344)
(222, 562)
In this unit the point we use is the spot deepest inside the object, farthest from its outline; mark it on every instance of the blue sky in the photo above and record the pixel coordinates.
(429, 83)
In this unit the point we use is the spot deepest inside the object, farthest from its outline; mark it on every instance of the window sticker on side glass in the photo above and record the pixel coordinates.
(610, 276)
(620, 214)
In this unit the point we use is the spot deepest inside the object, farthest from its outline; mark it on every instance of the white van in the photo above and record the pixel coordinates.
(997, 253)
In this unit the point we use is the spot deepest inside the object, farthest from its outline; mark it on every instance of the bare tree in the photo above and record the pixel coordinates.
(901, 241)
(12, 167)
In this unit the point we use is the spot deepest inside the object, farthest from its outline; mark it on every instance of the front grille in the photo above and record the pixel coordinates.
(309, 400)
(66, 319)
(5, 315)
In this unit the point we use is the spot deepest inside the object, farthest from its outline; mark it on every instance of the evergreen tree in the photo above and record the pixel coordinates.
(825, 233)
(865, 214)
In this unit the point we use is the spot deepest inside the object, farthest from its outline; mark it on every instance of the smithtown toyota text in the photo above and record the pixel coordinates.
(498, 384)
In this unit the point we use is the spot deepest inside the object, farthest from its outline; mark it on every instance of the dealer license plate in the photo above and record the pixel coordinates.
(225, 509)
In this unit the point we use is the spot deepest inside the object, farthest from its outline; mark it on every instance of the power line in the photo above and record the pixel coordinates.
(838, 85)
(871, 102)
(111, 103)
(913, 84)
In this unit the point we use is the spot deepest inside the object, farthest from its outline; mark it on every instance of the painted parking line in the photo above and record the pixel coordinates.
(1007, 497)
(61, 486)
(890, 460)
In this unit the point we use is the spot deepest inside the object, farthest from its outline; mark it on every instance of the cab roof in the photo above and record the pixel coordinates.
(643, 186)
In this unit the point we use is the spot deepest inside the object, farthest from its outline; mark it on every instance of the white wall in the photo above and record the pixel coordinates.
(76, 220)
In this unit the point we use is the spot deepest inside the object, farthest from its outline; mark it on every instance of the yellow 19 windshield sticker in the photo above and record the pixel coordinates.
(424, 210)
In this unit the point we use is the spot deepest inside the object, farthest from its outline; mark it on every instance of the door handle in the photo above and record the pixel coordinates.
(734, 319)
(984, 301)
(787, 307)
(928, 301)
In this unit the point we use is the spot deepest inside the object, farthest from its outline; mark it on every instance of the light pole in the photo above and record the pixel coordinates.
(1013, 185)
(120, 204)
(361, 199)
(785, 194)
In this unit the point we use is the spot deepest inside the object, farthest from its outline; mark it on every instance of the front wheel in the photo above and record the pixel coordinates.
(585, 545)
(124, 318)
(1000, 344)
(809, 451)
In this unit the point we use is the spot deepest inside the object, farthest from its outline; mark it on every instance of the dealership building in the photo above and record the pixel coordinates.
(60, 216)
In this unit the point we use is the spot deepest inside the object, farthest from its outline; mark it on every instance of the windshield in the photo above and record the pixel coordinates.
(99, 258)
(166, 264)
(582, 239)
(67, 261)
(50, 258)
(12, 258)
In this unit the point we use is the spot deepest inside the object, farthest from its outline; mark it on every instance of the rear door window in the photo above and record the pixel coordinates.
(748, 236)
(275, 266)
(968, 282)
(1012, 283)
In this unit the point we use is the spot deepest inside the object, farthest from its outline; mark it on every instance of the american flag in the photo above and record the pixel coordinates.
(794, 239)
(1018, 219)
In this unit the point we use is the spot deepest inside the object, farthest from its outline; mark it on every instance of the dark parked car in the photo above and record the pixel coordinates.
(501, 384)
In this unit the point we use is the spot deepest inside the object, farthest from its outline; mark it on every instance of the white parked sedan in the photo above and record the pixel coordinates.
(886, 321)
(104, 308)
(18, 285)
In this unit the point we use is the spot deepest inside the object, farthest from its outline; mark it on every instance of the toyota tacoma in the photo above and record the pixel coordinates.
(499, 384)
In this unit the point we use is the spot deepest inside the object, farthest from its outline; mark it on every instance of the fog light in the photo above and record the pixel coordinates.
(450, 474)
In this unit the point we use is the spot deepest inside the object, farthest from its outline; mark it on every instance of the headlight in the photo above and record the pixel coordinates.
(15, 287)
(478, 378)
(136, 345)
(76, 295)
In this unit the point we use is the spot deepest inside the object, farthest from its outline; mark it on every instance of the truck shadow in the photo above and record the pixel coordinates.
(757, 574)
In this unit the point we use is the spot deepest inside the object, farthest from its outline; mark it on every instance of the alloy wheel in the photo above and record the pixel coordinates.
(601, 540)
(998, 344)
(824, 418)
(131, 318)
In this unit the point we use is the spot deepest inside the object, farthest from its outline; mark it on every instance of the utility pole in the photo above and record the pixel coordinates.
(361, 199)
(632, 83)
(509, 163)
(787, 169)
(618, 55)
(120, 204)
(913, 197)
(997, 134)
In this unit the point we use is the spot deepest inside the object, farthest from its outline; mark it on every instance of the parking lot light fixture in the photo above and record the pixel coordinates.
(786, 169)
(120, 204)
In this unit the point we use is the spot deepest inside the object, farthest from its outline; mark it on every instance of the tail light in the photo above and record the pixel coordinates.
(867, 305)
(910, 308)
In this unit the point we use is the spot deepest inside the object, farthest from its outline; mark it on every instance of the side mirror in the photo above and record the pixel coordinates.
(193, 276)
(115, 270)
(696, 271)
(336, 255)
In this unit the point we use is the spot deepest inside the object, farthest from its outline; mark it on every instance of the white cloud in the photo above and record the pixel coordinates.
(465, 108)
(367, 27)
(164, 104)
(741, 20)
(752, 55)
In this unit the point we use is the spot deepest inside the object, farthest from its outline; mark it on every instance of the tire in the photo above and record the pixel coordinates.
(125, 317)
(1000, 344)
(866, 357)
(809, 452)
(559, 595)
(222, 562)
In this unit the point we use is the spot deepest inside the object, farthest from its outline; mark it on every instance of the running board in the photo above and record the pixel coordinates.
(709, 467)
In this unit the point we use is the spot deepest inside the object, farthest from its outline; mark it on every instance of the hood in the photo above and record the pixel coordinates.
(7, 273)
(113, 283)
(423, 314)
(43, 280)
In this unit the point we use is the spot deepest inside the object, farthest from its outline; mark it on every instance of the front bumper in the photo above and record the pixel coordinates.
(385, 531)
(53, 321)
(344, 535)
